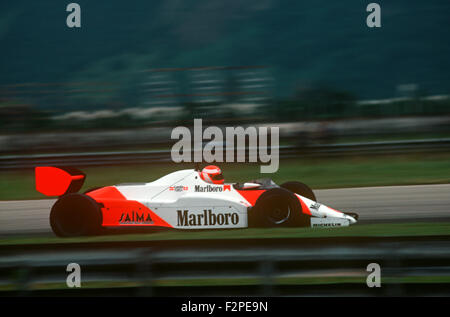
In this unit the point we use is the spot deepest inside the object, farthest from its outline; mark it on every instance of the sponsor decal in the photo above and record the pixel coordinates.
(135, 218)
(315, 206)
(209, 188)
(336, 224)
(178, 188)
(226, 187)
(185, 218)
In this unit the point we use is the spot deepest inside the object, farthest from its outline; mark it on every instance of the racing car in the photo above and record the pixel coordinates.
(185, 199)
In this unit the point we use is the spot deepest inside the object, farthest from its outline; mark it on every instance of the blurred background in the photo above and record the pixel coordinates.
(356, 106)
(373, 102)
(157, 64)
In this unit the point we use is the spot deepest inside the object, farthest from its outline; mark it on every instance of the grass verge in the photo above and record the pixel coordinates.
(372, 230)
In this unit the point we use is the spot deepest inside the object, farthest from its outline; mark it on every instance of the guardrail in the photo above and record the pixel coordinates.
(155, 156)
(407, 268)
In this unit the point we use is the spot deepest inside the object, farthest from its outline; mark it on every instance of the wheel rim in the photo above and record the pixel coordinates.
(279, 215)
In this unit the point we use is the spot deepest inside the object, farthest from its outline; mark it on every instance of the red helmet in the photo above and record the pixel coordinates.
(212, 174)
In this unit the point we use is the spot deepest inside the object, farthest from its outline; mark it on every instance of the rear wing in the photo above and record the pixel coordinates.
(58, 181)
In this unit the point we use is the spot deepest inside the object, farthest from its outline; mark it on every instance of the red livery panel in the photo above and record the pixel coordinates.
(117, 210)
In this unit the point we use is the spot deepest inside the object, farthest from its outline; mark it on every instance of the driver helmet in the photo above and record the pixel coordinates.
(212, 174)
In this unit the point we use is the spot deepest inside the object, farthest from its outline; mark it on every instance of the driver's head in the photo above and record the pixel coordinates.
(212, 174)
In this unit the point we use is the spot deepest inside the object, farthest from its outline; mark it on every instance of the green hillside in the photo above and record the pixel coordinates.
(303, 42)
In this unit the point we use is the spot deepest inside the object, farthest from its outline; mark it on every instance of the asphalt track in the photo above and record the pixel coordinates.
(373, 204)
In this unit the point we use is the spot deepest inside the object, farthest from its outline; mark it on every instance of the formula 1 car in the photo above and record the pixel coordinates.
(181, 200)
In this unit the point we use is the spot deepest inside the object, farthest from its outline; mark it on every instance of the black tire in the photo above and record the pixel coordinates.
(75, 215)
(300, 188)
(277, 207)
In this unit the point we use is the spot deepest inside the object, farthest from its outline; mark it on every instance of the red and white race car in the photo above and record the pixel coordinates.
(185, 199)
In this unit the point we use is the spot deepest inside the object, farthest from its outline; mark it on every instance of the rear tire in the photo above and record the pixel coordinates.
(277, 207)
(300, 189)
(75, 215)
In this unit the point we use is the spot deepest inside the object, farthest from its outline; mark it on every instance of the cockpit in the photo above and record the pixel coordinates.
(263, 183)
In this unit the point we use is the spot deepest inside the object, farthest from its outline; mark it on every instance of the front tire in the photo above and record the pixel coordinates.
(300, 189)
(277, 207)
(75, 215)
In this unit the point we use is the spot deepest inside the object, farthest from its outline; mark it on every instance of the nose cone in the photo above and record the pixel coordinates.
(351, 219)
